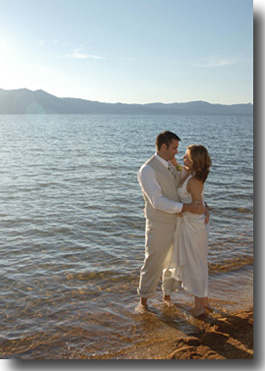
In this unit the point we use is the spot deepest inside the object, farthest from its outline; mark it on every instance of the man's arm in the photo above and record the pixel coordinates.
(207, 213)
(195, 187)
(152, 190)
(196, 207)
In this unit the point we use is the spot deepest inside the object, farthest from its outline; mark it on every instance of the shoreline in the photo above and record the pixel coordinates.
(226, 337)
(163, 332)
(225, 333)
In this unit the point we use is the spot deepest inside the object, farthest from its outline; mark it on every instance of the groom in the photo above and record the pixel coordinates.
(159, 180)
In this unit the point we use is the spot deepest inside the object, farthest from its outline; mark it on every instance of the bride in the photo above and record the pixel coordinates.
(189, 258)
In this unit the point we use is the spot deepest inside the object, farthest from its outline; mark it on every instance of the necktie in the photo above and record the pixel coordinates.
(172, 172)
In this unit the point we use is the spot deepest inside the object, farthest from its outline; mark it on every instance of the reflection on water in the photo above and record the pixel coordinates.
(105, 324)
(72, 231)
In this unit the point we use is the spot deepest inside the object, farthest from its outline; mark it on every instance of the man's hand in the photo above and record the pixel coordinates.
(196, 207)
(207, 214)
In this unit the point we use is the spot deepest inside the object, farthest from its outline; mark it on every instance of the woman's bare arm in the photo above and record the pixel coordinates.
(195, 188)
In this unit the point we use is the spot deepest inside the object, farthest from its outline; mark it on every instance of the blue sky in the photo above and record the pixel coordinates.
(131, 51)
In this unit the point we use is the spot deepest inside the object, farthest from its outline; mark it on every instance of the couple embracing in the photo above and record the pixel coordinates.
(176, 233)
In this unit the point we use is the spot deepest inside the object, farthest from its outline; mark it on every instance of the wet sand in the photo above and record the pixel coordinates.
(224, 333)
(222, 336)
(226, 337)
(164, 331)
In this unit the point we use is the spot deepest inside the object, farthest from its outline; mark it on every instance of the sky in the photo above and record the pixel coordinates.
(129, 51)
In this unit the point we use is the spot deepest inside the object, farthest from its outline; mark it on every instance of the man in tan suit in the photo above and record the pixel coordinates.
(159, 180)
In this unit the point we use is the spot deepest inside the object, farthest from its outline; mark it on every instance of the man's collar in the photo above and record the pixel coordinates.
(164, 162)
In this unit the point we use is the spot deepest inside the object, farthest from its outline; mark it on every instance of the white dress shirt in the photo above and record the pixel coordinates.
(152, 190)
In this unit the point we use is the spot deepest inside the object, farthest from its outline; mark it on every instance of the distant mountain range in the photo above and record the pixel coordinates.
(23, 101)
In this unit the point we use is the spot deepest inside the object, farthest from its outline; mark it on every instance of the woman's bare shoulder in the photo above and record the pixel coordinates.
(195, 184)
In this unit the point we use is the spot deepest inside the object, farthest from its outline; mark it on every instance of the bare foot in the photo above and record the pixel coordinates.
(143, 302)
(166, 298)
(198, 312)
(140, 309)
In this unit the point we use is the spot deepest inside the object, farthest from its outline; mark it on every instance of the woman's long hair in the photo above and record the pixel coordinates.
(201, 161)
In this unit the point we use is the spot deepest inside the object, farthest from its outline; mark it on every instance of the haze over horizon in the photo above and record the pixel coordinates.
(133, 51)
(136, 103)
(24, 101)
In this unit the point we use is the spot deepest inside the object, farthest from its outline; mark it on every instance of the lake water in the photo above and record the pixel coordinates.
(72, 232)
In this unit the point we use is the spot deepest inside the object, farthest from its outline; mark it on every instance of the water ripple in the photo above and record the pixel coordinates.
(72, 223)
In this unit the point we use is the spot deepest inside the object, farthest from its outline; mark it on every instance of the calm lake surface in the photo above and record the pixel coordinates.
(72, 231)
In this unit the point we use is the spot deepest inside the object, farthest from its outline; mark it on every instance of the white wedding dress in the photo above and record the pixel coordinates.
(188, 262)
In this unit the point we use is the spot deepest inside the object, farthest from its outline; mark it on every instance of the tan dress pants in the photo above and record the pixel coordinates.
(158, 250)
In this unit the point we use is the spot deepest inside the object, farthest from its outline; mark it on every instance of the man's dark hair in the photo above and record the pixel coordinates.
(165, 138)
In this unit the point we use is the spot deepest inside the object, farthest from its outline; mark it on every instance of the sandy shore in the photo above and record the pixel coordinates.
(217, 336)
(225, 337)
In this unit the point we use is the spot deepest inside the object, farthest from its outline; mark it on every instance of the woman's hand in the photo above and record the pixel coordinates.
(174, 161)
(176, 164)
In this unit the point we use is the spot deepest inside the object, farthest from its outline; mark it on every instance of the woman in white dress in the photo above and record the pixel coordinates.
(189, 263)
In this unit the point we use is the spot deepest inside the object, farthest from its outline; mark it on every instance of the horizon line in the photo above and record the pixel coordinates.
(157, 102)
